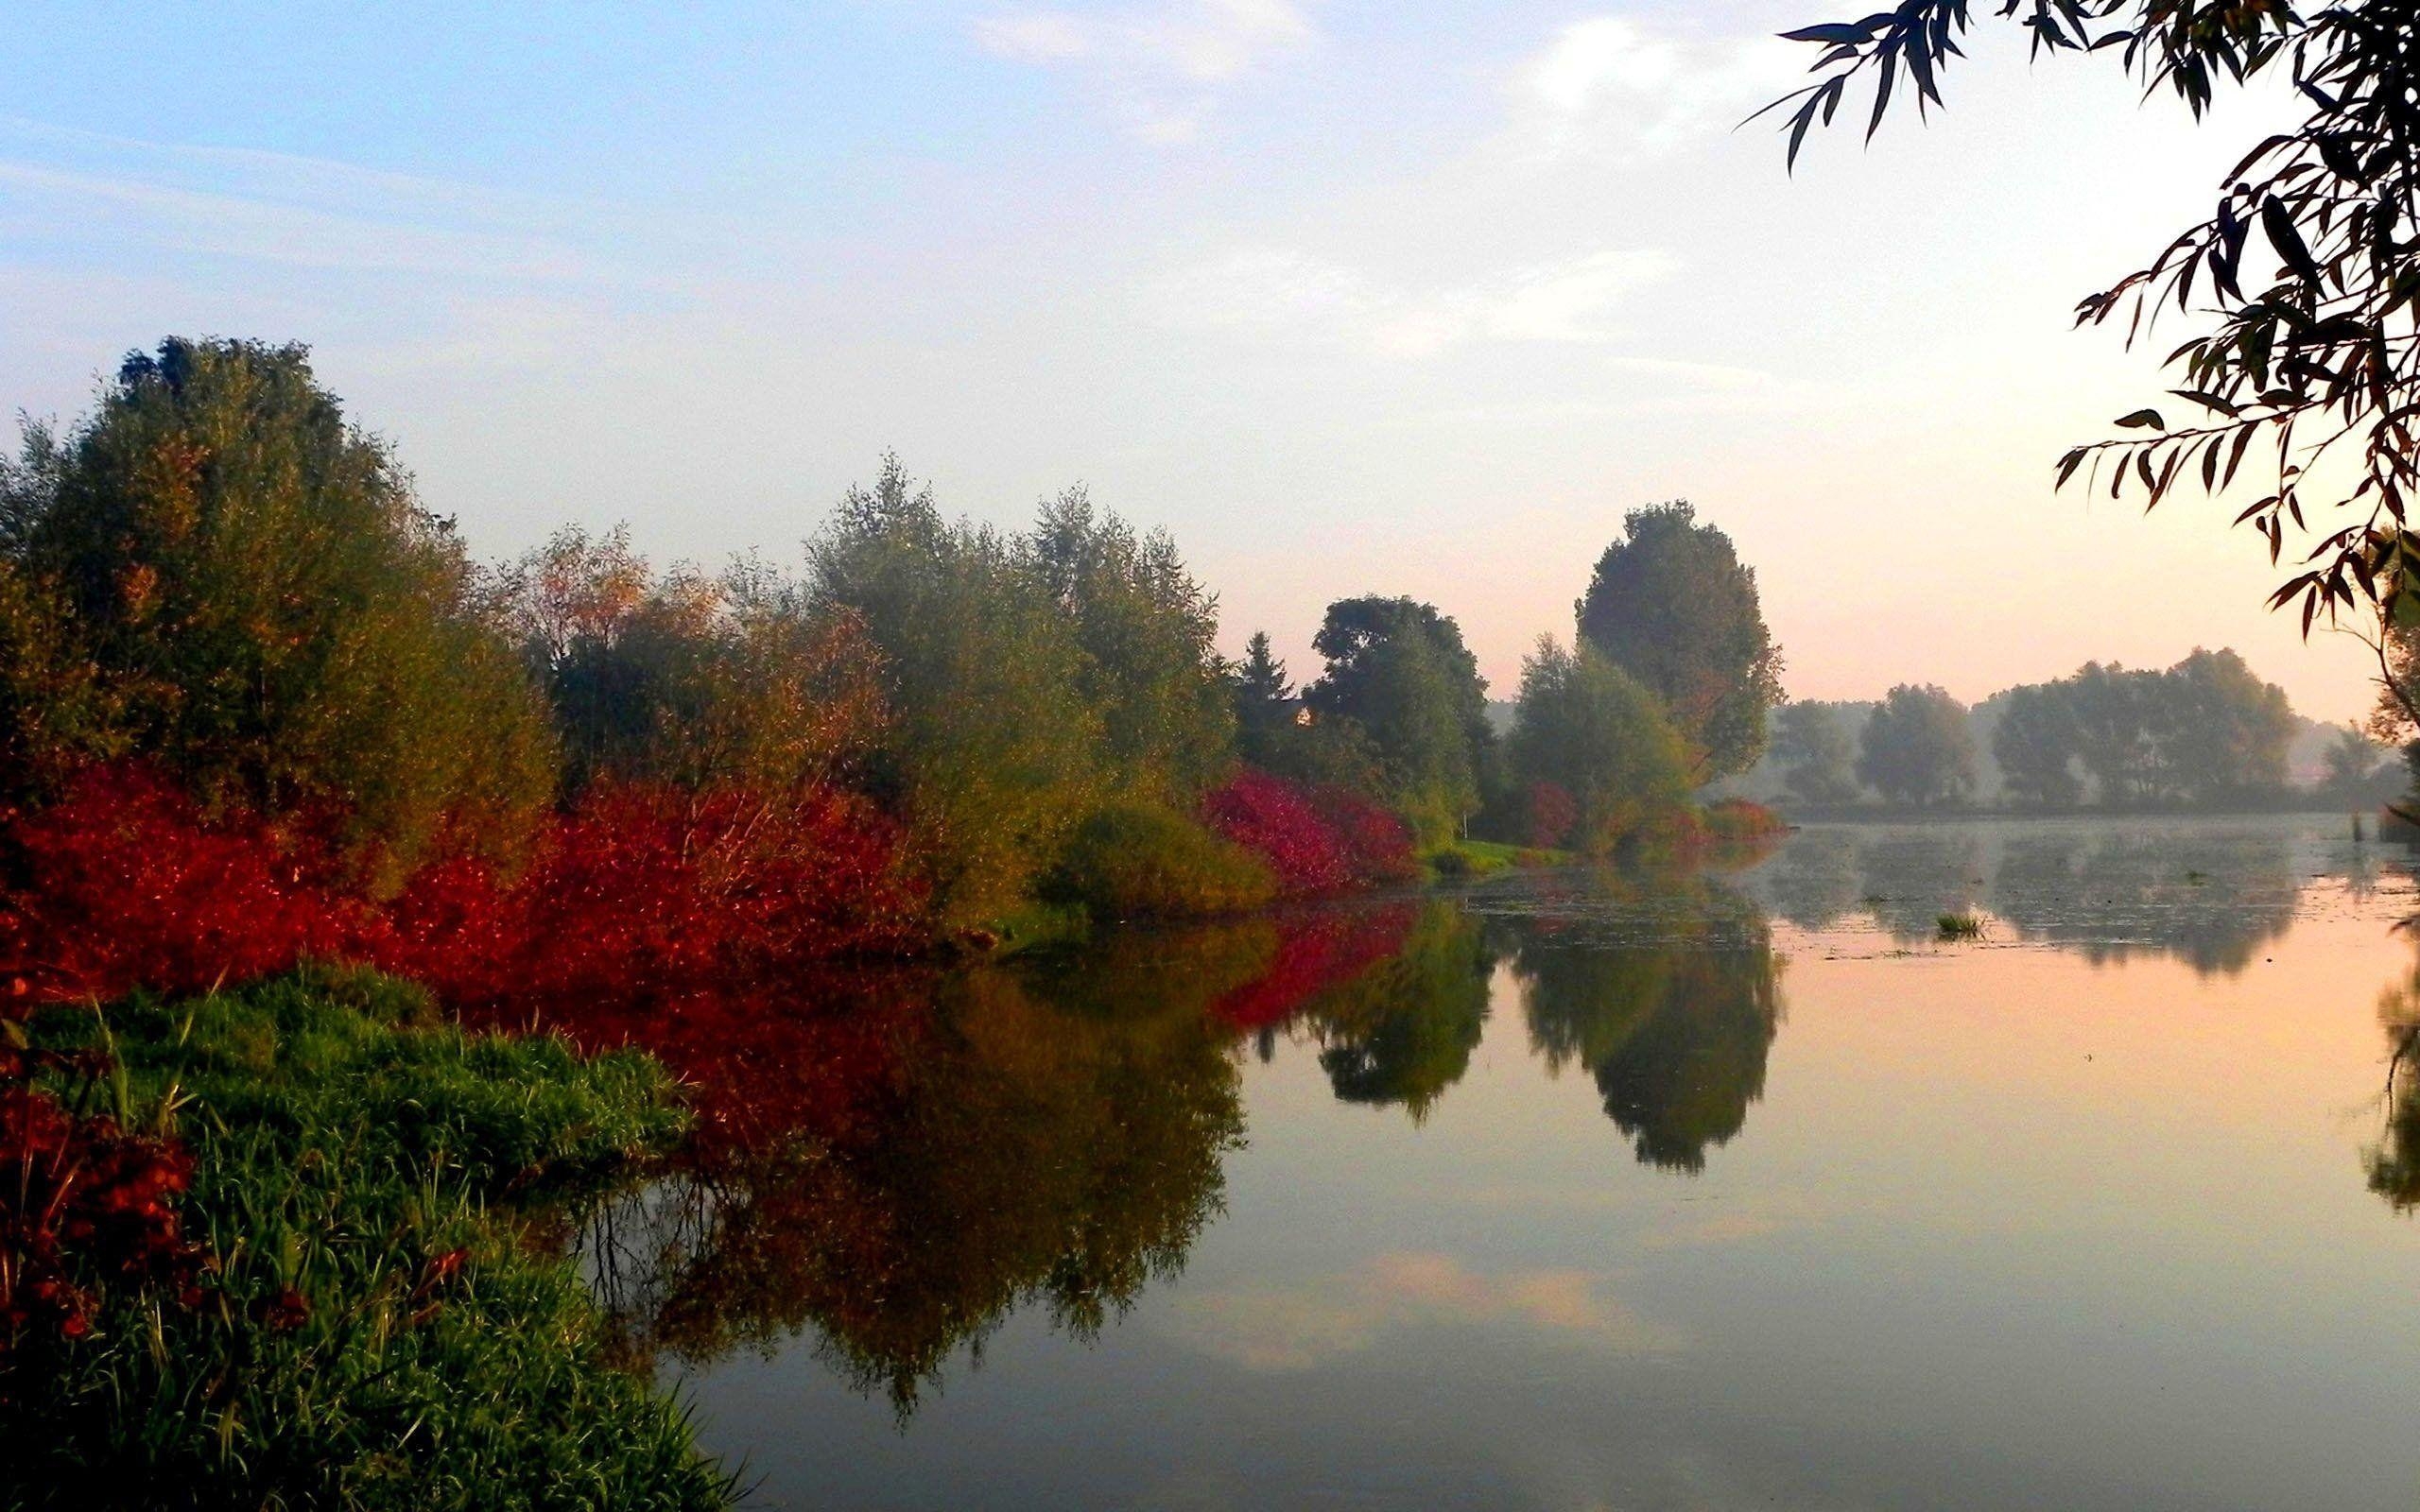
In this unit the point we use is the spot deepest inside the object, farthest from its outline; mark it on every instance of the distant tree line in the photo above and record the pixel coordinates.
(2207, 733)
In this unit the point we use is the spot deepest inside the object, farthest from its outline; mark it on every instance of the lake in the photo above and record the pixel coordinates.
(1588, 1190)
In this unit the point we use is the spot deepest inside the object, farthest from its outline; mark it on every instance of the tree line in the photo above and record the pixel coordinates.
(2207, 733)
(218, 581)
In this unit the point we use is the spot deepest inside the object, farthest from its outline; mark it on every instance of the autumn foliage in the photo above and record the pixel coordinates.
(84, 1205)
(1317, 840)
(125, 883)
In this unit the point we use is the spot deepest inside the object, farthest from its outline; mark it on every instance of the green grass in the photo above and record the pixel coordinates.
(1959, 926)
(345, 1143)
(1484, 858)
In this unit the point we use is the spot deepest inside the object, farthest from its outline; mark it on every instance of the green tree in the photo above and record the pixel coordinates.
(288, 629)
(2217, 730)
(1263, 702)
(1817, 756)
(2318, 358)
(995, 747)
(1671, 604)
(1398, 672)
(1149, 636)
(1917, 747)
(1590, 728)
(2035, 743)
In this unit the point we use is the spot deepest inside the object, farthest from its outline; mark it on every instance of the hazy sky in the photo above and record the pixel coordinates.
(1415, 297)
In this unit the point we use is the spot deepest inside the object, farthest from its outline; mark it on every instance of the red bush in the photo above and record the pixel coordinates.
(1317, 840)
(638, 889)
(121, 884)
(1551, 811)
(83, 1204)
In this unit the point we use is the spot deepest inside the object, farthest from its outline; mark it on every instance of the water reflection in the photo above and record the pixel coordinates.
(2212, 897)
(1675, 1030)
(895, 1163)
(1058, 1151)
(2394, 1161)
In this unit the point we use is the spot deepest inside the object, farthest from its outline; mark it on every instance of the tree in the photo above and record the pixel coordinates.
(698, 681)
(1589, 729)
(2035, 743)
(1817, 757)
(2217, 730)
(1671, 605)
(995, 751)
(2319, 360)
(2351, 767)
(279, 622)
(1398, 671)
(1149, 636)
(1917, 748)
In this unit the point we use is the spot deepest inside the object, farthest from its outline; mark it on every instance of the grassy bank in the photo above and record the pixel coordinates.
(367, 1328)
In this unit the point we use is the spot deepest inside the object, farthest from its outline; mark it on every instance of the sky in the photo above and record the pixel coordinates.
(1407, 298)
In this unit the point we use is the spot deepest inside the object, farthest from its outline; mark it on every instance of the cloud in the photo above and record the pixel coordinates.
(1157, 68)
(1287, 294)
(1614, 85)
(1297, 1328)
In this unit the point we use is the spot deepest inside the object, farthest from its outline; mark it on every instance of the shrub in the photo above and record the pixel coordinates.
(1550, 815)
(123, 884)
(1590, 729)
(1136, 861)
(376, 1332)
(1316, 840)
(1735, 820)
(88, 1209)
(638, 889)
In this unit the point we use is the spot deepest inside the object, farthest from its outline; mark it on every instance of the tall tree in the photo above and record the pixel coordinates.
(1671, 604)
(2220, 731)
(1263, 700)
(1149, 636)
(1917, 747)
(2308, 348)
(995, 749)
(1818, 757)
(2035, 744)
(288, 629)
(1398, 671)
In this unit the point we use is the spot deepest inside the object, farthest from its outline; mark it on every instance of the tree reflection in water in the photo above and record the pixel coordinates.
(2212, 898)
(1674, 1026)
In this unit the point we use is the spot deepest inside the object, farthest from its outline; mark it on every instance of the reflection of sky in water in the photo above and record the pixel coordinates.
(2077, 1217)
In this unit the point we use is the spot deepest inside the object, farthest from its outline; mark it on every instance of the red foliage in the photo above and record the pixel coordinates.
(1317, 840)
(1737, 819)
(1316, 953)
(85, 1203)
(1551, 813)
(123, 884)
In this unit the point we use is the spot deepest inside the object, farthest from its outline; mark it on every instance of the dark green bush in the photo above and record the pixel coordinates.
(375, 1330)
(1136, 861)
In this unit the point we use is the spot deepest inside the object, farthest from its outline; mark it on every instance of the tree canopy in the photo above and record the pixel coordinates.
(249, 584)
(1671, 604)
(1917, 747)
(1818, 756)
(1398, 671)
(1591, 730)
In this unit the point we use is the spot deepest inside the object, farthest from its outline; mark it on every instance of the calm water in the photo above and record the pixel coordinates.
(1573, 1192)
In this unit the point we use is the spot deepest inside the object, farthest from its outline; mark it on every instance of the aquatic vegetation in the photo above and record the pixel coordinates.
(1959, 926)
